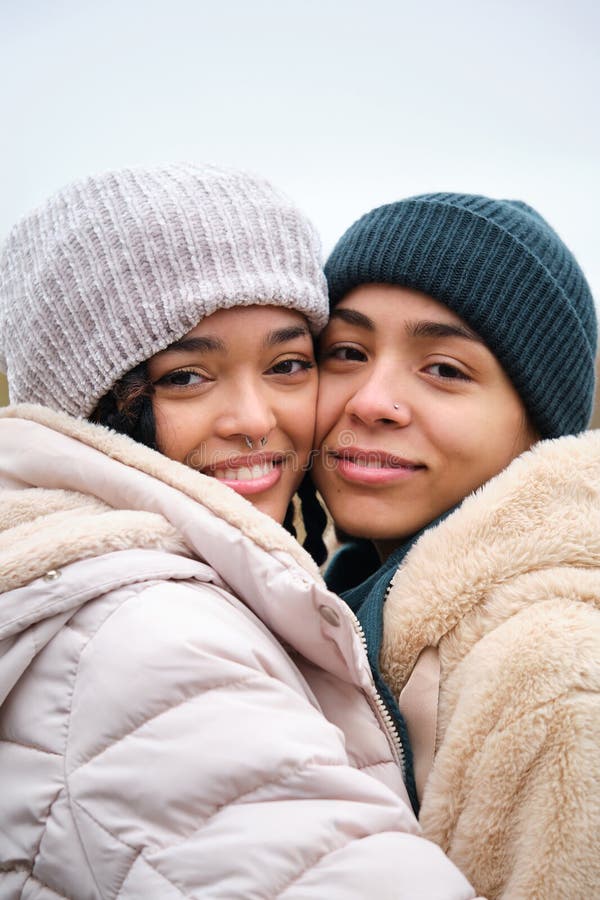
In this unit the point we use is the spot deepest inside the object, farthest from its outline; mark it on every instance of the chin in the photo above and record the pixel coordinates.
(371, 525)
(270, 507)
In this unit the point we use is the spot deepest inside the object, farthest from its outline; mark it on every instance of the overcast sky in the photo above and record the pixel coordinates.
(344, 104)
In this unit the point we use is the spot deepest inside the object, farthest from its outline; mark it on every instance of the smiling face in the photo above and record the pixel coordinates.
(414, 413)
(242, 375)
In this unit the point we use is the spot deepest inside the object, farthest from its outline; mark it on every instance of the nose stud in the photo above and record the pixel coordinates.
(396, 406)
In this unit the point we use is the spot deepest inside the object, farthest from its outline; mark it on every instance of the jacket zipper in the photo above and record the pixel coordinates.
(384, 714)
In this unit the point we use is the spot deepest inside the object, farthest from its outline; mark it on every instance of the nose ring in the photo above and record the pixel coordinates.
(250, 443)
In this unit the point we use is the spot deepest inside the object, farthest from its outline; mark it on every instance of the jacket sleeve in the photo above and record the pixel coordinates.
(199, 765)
(514, 794)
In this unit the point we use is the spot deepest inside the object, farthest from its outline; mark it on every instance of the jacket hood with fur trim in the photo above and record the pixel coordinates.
(88, 491)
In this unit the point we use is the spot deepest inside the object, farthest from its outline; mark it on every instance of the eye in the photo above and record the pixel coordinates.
(447, 371)
(181, 378)
(345, 353)
(290, 367)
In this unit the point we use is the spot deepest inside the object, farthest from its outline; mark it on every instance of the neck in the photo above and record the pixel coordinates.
(386, 548)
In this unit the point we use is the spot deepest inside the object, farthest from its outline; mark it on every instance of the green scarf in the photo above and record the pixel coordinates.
(366, 600)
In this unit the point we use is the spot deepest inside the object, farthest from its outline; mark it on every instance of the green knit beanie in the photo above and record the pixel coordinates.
(501, 268)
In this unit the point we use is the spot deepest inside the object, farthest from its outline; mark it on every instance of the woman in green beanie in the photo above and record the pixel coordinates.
(457, 380)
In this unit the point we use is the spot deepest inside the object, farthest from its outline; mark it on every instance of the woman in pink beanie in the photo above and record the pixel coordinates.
(185, 710)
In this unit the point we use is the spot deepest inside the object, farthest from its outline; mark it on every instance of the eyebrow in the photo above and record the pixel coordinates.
(430, 329)
(282, 335)
(208, 343)
(421, 329)
(352, 317)
(195, 345)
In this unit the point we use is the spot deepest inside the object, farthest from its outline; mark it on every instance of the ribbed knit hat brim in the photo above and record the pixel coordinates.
(116, 267)
(501, 268)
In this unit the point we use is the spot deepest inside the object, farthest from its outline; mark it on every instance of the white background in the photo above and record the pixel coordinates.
(344, 104)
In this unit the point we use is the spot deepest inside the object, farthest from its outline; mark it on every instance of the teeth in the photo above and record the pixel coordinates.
(245, 473)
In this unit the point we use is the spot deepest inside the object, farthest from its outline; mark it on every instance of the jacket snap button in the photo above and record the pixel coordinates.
(51, 575)
(330, 615)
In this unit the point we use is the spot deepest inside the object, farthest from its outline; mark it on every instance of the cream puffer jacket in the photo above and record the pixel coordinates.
(503, 598)
(185, 711)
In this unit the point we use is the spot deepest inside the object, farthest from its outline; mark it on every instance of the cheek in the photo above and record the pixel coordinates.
(296, 417)
(165, 428)
(330, 407)
(177, 431)
(486, 443)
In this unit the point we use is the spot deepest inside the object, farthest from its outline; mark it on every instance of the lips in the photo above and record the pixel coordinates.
(375, 459)
(372, 467)
(248, 474)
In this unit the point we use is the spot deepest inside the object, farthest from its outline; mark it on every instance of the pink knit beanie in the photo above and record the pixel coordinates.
(116, 267)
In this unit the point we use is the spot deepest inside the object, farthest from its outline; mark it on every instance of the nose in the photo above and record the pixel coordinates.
(248, 413)
(381, 399)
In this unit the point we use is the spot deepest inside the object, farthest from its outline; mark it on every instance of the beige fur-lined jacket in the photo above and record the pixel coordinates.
(504, 597)
(185, 710)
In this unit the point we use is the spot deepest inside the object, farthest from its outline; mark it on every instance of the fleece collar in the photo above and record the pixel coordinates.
(541, 512)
